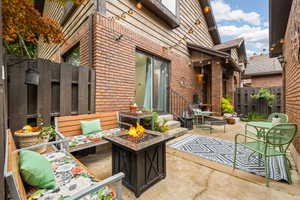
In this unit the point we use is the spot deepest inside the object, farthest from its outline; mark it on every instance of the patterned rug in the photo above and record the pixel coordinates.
(221, 151)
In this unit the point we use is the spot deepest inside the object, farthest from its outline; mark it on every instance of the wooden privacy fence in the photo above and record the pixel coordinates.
(63, 89)
(244, 103)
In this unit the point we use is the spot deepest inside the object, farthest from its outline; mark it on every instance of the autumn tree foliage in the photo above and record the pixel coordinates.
(24, 26)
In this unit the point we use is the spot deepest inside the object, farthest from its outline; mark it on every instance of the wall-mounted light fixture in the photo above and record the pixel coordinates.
(119, 37)
(32, 76)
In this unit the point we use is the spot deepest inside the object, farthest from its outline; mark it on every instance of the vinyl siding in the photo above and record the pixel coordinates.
(143, 22)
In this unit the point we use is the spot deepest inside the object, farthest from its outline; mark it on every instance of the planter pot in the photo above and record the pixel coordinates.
(29, 139)
(230, 121)
(133, 108)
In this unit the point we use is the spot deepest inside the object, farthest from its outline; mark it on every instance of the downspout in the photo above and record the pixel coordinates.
(282, 62)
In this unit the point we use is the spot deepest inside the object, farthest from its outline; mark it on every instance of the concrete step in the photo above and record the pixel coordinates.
(172, 124)
(167, 117)
(177, 132)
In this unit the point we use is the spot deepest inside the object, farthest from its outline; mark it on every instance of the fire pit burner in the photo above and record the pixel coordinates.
(142, 160)
(141, 139)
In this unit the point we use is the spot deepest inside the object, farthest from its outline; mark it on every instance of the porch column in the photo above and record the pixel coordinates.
(216, 89)
(230, 86)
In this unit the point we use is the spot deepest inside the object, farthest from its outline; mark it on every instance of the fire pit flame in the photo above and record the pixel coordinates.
(136, 132)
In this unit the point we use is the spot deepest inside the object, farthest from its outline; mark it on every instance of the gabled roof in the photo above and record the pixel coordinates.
(262, 65)
(209, 51)
(229, 44)
(216, 53)
(279, 12)
(238, 43)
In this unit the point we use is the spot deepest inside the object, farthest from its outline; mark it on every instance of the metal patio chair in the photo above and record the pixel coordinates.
(276, 142)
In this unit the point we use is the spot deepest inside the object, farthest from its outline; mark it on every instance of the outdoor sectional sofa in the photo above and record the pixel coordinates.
(72, 183)
(68, 128)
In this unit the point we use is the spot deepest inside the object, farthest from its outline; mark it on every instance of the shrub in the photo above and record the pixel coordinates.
(226, 104)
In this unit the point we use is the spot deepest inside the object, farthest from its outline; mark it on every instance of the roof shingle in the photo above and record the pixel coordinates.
(262, 65)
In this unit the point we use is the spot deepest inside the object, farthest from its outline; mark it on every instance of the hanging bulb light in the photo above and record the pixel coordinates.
(206, 10)
(130, 12)
(281, 41)
(190, 31)
(271, 49)
(197, 22)
(123, 16)
(184, 38)
(139, 5)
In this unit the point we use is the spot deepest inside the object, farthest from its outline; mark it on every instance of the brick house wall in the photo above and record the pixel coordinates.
(292, 69)
(266, 81)
(114, 62)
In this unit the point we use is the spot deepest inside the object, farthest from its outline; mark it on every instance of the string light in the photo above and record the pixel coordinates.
(184, 38)
(206, 9)
(129, 12)
(281, 41)
(271, 49)
(197, 22)
(139, 5)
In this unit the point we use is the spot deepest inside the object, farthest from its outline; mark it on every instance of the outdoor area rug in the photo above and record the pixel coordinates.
(221, 151)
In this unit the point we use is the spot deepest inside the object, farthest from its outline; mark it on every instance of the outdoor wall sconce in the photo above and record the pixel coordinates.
(119, 37)
(32, 76)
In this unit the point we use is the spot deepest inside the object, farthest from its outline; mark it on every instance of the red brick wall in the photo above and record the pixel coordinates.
(292, 67)
(81, 37)
(266, 81)
(217, 89)
(114, 62)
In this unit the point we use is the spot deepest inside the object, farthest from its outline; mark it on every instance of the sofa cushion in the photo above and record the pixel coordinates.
(36, 170)
(90, 138)
(92, 126)
(71, 178)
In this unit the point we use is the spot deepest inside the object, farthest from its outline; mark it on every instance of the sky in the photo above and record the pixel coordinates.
(244, 18)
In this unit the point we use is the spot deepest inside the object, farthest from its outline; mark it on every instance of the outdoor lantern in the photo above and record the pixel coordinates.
(32, 77)
(206, 9)
(199, 77)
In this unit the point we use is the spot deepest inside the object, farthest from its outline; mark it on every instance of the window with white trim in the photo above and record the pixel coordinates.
(170, 5)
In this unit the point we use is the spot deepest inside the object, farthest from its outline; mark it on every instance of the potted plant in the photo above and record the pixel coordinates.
(133, 107)
(227, 109)
(29, 136)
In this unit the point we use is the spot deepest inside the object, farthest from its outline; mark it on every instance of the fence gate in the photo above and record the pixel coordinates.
(244, 104)
(63, 89)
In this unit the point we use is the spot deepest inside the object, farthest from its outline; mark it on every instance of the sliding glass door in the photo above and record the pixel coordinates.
(152, 82)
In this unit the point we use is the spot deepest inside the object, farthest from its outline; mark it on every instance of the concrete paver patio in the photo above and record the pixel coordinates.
(190, 177)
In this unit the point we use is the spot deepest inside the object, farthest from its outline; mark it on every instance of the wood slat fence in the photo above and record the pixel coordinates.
(245, 104)
(63, 90)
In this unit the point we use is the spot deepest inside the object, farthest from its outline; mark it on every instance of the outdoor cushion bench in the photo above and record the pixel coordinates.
(73, 180)
(68, 128)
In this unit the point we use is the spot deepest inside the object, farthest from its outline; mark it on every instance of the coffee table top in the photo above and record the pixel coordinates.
(158, 138)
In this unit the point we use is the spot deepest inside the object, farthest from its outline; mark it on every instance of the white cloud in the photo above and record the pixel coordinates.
(250, 52)
(256, 38)
(223, 12)
(249, 33)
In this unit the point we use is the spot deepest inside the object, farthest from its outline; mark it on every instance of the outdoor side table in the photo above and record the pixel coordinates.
(136, 116)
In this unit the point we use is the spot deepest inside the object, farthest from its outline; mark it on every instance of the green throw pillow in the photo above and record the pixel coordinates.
(88, 127)
(36, 170)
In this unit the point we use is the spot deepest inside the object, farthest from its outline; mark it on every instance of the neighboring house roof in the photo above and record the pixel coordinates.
(259, 65)
(279, 12)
